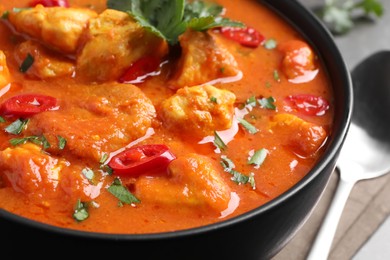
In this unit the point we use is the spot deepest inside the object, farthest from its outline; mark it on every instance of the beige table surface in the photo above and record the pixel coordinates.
(368, 205)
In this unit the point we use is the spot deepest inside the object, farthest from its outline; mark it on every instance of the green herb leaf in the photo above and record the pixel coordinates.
(237, 177)
(169, 19)
(39, 140)
(17, 126)
(339, 15)
(88, 173)
(251, 101)
(122, 193)
(270, 44)
(61, 142)
(276, 75)
(81, 211)
(27, 63)
(227, 164)
(258, 157)
(218, 142)
(213, 100)
(2, 120)
(248, 126)
(268, 103)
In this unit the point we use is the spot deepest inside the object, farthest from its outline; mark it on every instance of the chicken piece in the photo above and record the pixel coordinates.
(4, 72)
(193, 181)
(42, 177)
(112, 42)
(198, 110)
(46, 63)
(298, 63)
(203, 59)
(303, 137)
(101, 119)
(58, 27)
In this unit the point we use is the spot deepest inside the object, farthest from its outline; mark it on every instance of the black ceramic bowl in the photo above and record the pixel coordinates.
(258, 234)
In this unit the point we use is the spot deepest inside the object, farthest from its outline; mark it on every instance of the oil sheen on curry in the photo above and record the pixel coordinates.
(170, 116)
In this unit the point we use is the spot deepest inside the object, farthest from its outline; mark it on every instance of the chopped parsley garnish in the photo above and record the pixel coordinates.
(258, 157)
(103, 165)
(122, 193)
(27, 63)
(169, 19)
(237, 177)
(214, 100)
(227, 164)
(17, 126)
(276, 75)
(248, 126)
(81, 211)
(2, 120)
(251, 101)
(270, 44)
(39, 140)
(268, 103)
(218, 142)
(61, 142)
(104, 158)
(88, 173)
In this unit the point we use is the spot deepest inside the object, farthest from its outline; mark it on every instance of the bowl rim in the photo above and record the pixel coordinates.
(307, 19)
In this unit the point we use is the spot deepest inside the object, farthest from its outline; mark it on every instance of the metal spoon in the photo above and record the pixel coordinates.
(366, 151)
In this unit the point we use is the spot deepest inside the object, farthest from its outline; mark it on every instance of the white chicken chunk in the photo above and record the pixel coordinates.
(203, 59)
(193, 182)
(4, 72)
(112, 42)
(46, 63)
(199, 110)
(58, 27)
(42, 177)
(303, 137)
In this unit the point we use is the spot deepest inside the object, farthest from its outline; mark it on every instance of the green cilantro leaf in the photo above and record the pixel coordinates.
(88, 173)
(268, 103)
(258, 157)
(237, 177)
(122, 193)
(169, 19)
(248, 126)
(17, 126)
(218, 142)
(81, 211)
(61, 142)
(39, 140)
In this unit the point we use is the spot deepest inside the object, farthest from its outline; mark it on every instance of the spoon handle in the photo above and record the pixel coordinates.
(323, 242)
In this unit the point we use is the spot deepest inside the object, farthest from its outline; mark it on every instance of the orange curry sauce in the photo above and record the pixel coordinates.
(98, 117)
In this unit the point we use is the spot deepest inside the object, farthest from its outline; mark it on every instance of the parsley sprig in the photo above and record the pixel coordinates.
(169, 19)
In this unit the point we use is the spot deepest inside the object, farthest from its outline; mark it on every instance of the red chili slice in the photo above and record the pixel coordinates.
(140, 68)
(140, 159)
(26, 105)
(247, 36)
(307, 104)
(50, 3)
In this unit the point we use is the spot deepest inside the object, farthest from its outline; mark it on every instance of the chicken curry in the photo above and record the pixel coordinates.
(154, 116)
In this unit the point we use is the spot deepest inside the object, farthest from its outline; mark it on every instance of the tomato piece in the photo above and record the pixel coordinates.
(247, 36)
(307, 104)
(140, 69)
(26, 105)
(50, 3)
(140, 159)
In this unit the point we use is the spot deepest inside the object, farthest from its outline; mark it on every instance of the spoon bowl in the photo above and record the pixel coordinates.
(366, 150)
